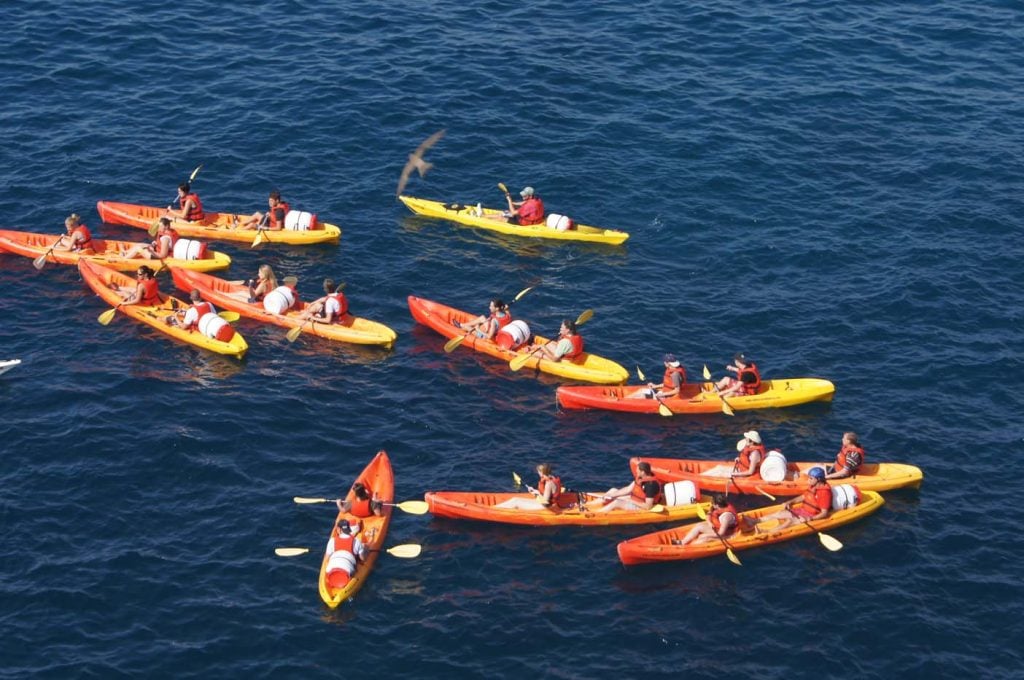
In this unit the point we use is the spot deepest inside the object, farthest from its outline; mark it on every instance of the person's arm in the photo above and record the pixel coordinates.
(726, 521)
(755, 462)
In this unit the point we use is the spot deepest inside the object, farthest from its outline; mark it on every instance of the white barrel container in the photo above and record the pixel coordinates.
(680, 493)
(559, 222)
(279, 300)
(299, 220)
(845, 496)
(773, 467)
(514, 334)
(213, 326)
(189, 249)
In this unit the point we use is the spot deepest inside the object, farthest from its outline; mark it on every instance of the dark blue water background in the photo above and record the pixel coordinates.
(830, 187)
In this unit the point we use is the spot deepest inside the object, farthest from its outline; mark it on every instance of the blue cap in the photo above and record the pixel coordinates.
(816, 472)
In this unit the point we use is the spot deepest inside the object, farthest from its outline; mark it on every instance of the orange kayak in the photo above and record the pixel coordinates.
(714, 476)
(378, 478)
(235, 296)
(101, 278)
(214, 227)
(108, 253)
(658, 546)
(695, 397)
(483, 506)
(587, 367)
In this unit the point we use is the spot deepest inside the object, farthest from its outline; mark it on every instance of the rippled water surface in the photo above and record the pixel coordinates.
(829, 187)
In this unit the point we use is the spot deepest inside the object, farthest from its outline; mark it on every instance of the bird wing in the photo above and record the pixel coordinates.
(404, 178)
(428, 142)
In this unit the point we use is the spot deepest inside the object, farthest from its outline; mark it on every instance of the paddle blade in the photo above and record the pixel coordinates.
(106, 317)
(293, 334)
(230, 317)
(453, 344)
(520, 361)
(707, 373)
(764, 493)
(726, 409)
(504, 189)
(521, 293)
(732, 557)
(585, 316)
(659, 508)
(829, 542)
(406, 550)
(290, 552)
(517, 479)
(194, 173)
(640, 374)
(306, 501)
(665, 410)
(40, 261)
(701, 512)
(414, 507)
(260, 238)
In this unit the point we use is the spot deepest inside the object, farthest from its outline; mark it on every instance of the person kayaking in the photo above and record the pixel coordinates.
(747, 380)
(146, 291)
(365, 503)
(162, 247)
(671, 382)
(488, 326)
(265, 282)
(848, 460)
(643, 493)
(722, 521)
(273, 218)
(190, 208)
(816, 503)
(528, 211)
(344, 553)
(329, 308)
(549, 486)
(752, 452)
(568, 345)
(78, 237)
(188, 319)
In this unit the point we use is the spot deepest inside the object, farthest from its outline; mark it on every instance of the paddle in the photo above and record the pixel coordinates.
(230, 317)
(663, 408)
(191, 178)
(726, 408)
(728, 549)
(411, 507)
(293, 334)
(829, 542)
(40, 261)
(106, 317)
(452, 344)
(261, 236)
(405, 551)
(520, 360)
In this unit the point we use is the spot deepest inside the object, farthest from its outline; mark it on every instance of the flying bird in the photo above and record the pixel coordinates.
(416, 161)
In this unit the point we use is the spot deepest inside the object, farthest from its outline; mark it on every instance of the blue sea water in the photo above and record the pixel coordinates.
(833, 188)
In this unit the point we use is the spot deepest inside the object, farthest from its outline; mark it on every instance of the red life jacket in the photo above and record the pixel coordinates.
(751, 378)
(531, 211)
(819, 498)
(667, 381)
(843, 452)
(744, 459)
(552, 479)
(638, 490)
(86, 242)
(150, 292)
(503, 321)
(194, 214)
(577, 347)
(342, 305)
(361, 507)
(281, 209)
(716, 519)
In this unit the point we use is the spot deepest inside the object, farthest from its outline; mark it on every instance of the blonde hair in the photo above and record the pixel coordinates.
(72, 220)
(267, 274)
(544, 469)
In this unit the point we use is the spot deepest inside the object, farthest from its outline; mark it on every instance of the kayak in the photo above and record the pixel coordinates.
(695, 397)
(214, 227)
(108, 253)
(100, 278)
(587, 367)
(465, 214)
(235, 296)
(482, 506)
(8, 364)
(380, 479)
(658, 547)
(714, 476)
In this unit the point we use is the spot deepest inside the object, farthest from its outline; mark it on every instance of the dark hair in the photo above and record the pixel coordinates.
(147, 271)
(360, 490)
(499, 304)
(276, 195)
(165, 221)
(328, 285)
(570, 324)
(644, 466)
(195, 295)
(185, 186)
(719, 500)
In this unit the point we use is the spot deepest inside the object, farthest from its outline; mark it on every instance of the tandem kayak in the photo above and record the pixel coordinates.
(695, 397)
(214, 227)
(108, 253)
(714, 476)
(464, 214)
(587, 367)
(235, 296)
(658, 546)
(100, 279)
(379, 479)
(6, 365)
(483, 506)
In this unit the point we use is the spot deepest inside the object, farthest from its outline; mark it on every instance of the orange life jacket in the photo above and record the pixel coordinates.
(846, 450)
(667, 379)
(195, 213)
(744, 459)
(716, 519)
(577, 347)
(750, 377)
(503, 320)
(638, 490)
(361, 507)
(86, 242)
(550, 479)
(281, 209)
(531, 211)
(202, 309)
(342, 305)
(819, 498)
(150, 293)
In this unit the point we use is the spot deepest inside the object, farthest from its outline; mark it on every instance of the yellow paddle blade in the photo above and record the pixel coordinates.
(194, 173)
(829, 542)
(665, 410)
(517, 479)
(305, 501)
(520, 360)
(106, 317)
(659, 508)
(764, 493)
(406, 550)
(585, 316)
(230, 317)
(640, 374)
(701, 512)
(413, 507)
(290, 552)
(732, 557)
(260, 238)
(504, 189)
(726, 409)
(521, 293)
(452, 344)
(293, 334)
(707, 373)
